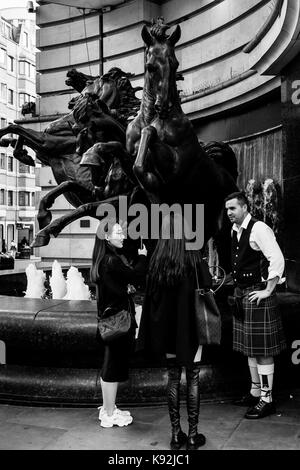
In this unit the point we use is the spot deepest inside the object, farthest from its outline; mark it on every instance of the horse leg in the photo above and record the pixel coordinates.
(34, 139)
(21, 154)
(42, 238)
(44, 216)
(115, 148)
(147, 180)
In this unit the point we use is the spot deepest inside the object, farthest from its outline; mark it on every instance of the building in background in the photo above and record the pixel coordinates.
(17, 88)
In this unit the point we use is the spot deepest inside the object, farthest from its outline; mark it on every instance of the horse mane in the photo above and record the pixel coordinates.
(223, 155)
(87, 107)
(158, 29)
(129, 103)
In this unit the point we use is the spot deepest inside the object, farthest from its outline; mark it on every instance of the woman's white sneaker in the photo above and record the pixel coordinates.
(116, 419)
(117, 410)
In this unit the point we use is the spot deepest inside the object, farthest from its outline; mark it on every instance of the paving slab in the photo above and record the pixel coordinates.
(64, 418)
(24, 437)
(223, 424)
(263, 434)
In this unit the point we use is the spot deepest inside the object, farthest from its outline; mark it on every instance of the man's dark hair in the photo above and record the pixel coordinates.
(241, 197)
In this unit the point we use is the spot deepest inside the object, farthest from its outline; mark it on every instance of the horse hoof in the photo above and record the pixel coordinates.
(40, 240)
(44, 219)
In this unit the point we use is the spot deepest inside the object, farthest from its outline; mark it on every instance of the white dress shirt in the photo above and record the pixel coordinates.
(262, 239)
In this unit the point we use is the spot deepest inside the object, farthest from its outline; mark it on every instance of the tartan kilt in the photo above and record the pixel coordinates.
(261, 332)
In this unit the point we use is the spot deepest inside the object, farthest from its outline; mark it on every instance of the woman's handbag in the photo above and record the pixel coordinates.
(208, 317)
(114, 326)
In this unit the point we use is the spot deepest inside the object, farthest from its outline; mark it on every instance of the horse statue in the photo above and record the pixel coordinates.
(60, 145)
(169, 163)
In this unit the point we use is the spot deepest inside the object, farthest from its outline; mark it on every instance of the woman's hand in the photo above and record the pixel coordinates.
(143, 251)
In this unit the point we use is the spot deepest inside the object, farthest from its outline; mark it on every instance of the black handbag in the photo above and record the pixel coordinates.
(208, 317)
(114, 326)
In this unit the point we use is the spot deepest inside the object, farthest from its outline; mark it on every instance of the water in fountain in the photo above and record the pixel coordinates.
(57, 282)
(76, 288)
(35, 282)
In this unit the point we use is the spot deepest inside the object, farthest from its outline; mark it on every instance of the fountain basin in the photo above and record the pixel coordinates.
(51, 355)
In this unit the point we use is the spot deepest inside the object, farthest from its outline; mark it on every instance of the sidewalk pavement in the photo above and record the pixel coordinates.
(223, 424)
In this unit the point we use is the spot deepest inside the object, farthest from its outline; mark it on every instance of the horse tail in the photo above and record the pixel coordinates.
(223, 155)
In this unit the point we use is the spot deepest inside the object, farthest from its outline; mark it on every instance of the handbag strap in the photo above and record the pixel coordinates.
(197, 279)
(196, 273)
(224, 277)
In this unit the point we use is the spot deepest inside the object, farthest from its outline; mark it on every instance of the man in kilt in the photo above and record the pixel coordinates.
(257, 266)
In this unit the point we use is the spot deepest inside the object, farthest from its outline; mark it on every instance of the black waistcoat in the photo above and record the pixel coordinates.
(248, 265)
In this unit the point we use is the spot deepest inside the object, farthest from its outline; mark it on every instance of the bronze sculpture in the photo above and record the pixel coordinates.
(158, 154)
(170, 164)
(59, 144)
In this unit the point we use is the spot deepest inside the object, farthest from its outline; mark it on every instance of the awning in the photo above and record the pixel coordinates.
(90, 4)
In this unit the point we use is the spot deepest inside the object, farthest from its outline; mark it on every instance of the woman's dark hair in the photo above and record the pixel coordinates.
(170, 261)
(105, 228)
(97, 257)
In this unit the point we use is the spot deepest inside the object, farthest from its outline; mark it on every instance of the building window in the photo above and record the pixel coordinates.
(2, 197)
(10, 96)
(3, 92)
(2, 56)
(10, 198)
(2, 161)
(9, 33)
(26, 42)
(85, 223)
(3, 123)
(33, 199)
(24, 68)
(23, 98)
(11, 61)
(23, 168)
(10, 164)
(24, 198)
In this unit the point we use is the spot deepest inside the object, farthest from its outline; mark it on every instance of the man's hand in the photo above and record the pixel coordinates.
(259, 295)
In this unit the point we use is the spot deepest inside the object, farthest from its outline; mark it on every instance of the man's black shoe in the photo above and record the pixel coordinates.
(261, 410)
(247, 400)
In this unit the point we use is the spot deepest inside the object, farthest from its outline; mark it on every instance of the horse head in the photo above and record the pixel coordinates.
(77, 80)
(87, 108)
(119, 95)
(161, 66)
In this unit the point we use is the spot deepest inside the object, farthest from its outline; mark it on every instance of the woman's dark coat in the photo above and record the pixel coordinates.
(115, 273)
(168, 319)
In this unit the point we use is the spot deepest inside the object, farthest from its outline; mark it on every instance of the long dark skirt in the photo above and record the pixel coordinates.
(115, 367)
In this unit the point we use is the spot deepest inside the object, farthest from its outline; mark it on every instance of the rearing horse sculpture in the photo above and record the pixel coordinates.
(171, 165)
(56, 146)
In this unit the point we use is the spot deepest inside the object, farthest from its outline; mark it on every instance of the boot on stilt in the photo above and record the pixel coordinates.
(178, 438)
(195, 439)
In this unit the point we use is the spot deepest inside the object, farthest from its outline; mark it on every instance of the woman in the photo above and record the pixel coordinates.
(168, 329)
(112, 273)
